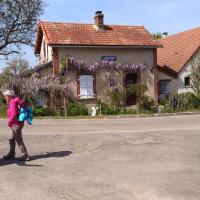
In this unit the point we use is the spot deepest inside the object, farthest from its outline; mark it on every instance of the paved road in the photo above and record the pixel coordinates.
(106, 159)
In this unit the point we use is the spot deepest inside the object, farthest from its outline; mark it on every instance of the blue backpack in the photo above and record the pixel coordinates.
(26, 114)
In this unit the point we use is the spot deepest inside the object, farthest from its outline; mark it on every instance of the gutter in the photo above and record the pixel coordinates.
(106, 46)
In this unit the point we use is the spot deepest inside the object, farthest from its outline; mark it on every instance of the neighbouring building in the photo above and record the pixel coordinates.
(116, 55)
(174, 62)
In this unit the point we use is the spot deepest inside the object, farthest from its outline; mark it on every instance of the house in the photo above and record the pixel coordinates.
(174, 62)
(94, 58)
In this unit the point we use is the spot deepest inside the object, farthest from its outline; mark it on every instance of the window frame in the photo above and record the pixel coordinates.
(167, 84)
(188, 85)
(93, 79)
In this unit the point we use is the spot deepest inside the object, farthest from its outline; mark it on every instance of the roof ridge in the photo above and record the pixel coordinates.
(77, 23)
(180, 33)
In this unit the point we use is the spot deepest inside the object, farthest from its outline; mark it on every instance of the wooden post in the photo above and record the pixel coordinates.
(65, 109)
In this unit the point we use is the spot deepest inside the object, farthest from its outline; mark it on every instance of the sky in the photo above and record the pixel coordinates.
(170, 16)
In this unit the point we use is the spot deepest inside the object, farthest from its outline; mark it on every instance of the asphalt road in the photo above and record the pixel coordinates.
(106, 159)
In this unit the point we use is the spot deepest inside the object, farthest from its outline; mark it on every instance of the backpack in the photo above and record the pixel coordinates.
(25, 112)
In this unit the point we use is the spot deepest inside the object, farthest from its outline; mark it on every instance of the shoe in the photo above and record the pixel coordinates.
(24, 157)
(9, 156)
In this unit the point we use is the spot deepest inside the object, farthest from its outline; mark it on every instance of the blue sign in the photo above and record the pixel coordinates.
(108, 58)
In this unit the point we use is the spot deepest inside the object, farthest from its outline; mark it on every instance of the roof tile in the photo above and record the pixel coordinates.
(85, 34)
(178, 49)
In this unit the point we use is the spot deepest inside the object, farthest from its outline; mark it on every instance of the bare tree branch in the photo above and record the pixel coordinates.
(18, 19)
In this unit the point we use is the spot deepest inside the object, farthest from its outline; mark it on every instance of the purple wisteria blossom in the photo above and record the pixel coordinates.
(79, 64)
(33, 85)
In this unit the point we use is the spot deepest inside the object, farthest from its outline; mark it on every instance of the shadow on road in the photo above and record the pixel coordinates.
(58, 154)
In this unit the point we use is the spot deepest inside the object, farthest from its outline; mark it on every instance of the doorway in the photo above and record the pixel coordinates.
(131, 78)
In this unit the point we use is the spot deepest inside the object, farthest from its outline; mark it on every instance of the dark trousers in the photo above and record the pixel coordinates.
(16, 136)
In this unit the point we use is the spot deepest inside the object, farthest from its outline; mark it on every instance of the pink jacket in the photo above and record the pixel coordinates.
(13, 111)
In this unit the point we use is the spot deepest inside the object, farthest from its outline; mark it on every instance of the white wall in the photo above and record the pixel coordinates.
(181, 77)
(186, 71)
(177, 85)
(48, 50)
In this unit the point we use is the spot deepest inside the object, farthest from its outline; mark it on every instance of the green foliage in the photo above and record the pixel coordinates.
(128, 111)
(188, 101)
(143, 101)
(44, 111)
(5, 76)
(13, 69)
(2, 100)
(75, 108)
(146, 103)
(116, 96)
(167, 108)
(3, 110)
(185, 102)
(31, 100)
(157, 35)
(195, 76)
(107, 109)
(137, 89)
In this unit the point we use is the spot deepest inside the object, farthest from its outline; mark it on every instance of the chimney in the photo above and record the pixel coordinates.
(165, 34)
(98, 21)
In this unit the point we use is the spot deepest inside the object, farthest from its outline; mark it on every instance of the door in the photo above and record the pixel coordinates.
(131, 78)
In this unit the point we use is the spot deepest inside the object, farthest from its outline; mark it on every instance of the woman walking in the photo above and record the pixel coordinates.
(16, 127)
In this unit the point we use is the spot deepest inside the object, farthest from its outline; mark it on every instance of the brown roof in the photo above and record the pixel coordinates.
(178, 49)
(86, 35)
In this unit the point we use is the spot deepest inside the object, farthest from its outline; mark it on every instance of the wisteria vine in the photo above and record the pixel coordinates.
(72, 63)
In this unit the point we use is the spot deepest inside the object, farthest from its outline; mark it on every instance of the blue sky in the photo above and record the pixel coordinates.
(156, 15)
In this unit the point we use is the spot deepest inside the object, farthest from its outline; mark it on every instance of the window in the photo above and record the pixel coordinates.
(164, 87)
(86, 86)
(40, 99)
(187, 81)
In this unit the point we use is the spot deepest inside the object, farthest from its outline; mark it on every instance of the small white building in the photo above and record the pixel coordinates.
(174, 62)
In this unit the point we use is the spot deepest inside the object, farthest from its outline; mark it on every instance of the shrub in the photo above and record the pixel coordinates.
(75, 108)
(107, 109)
(128, 111)
(146, 103)
(43, 111)
(116, 96)
(188, 101)
(3, 110)
(167, 109)
(31, 100)
(2, 100)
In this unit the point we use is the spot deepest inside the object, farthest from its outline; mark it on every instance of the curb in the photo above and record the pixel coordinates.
(118, 116)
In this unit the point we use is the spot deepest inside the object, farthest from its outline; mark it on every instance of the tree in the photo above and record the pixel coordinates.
(14, 68)
(17, 66)
(157, 35)
(5, 76)
(18, 19)
(195, 75)
(27, 88)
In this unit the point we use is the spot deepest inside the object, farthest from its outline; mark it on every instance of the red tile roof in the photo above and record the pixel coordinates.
(86, 35)
(178, 49)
